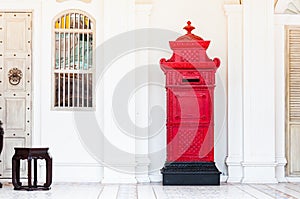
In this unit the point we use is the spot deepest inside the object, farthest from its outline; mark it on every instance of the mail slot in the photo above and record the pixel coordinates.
(192, 80)
(190, 83)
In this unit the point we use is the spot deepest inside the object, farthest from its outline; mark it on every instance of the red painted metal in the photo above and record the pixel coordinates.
(190, 83)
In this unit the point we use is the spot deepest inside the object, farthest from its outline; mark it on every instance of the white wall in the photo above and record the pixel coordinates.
(118, 19)
(57, 130)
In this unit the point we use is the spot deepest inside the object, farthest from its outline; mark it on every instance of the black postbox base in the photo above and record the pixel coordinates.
(190, 173)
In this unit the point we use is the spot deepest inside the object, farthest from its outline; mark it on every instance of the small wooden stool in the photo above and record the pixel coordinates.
(29, 154)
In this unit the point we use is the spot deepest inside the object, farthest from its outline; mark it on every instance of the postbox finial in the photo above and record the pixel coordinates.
(189, 27)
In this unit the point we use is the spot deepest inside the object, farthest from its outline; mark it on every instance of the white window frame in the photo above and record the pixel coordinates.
(73, 69)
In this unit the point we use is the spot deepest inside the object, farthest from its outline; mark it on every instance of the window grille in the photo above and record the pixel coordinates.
(73, 70)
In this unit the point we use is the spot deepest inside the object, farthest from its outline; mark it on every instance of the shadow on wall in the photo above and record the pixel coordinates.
(1, 142)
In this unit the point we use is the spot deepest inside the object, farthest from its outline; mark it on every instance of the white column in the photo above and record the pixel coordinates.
(280, 101)
(235, 92)
(119, 145)
(259, 92)
(143, 12)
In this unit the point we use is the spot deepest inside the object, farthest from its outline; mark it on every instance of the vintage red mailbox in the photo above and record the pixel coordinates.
(190, 83)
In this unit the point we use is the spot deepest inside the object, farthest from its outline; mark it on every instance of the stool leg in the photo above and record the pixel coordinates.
(35, 172)
(29, 173)
(48, 172)
(16, 173)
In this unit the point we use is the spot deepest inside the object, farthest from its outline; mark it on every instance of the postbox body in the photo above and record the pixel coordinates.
(190, 83)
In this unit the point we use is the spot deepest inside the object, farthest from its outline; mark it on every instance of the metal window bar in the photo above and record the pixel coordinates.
(90, 79)
(81, 60)
(87, 48)
(63, 76)
(82, 43)
(84, 97)
(56, 65)
(69, 58)
(58, 77)
(78, 58)
(73, 81)
(91, 49)
(54, 75)
(85, 89)
(55, 91)
(82, 89)
(66, 68)
(83, 68)
(79, 42)
(79, 90)
(87, 65)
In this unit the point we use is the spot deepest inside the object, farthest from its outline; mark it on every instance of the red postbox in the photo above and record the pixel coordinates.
(190, 83)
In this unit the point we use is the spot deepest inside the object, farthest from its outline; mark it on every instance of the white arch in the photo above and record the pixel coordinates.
(287, 7)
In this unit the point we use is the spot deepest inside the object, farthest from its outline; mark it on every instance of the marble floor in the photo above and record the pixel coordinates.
(155, 191)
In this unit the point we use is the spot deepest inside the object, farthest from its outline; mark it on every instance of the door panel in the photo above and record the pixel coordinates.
(295, 149)
(14, 35)
(17, 31)
(10, 143)
(15, 85)
(15, 114)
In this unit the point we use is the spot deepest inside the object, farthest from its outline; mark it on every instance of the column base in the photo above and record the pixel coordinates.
(190, 173)
(259, 172)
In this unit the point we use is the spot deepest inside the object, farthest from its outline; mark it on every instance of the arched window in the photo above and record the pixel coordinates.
(74, 61)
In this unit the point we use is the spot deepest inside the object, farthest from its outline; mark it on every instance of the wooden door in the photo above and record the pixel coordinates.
(15, 85)
(293, 100)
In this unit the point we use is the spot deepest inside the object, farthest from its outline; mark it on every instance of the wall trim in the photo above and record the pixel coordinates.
(74, 172)
(293, 179)
(76, 164)
(286, 19)
(259, 164)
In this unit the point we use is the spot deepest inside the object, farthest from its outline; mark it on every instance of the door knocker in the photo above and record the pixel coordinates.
(14, 76)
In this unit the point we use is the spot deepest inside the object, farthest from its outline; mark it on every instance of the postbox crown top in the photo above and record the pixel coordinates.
(189, 36)
(189, 40)
(189, 52)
